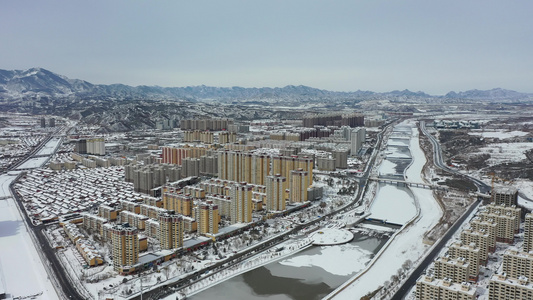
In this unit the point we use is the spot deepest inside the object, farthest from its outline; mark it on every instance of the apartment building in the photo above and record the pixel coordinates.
(502, 286)
(241, 203)
(125, 243)
(455, 269)
(298, 185)
(468, 251)
(517, 264)
(429, 288)
(481, 239)
(207, 217)
(505, 195)
(275, 194)
(170, 231)
(528, 233)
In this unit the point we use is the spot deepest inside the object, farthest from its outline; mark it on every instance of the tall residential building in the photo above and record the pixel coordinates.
(455, 269)
(207, 218)
(259, 169)
(357, 139)
(429, 288)
(275, 194)
(125, 243)
(502, 286)
(528, 233)
(507, 196)
(170, 231)
(505, 230)
(503, 209)
(470, 252)
(107, 212)
(517, 264)
(489, 227)
(341, 159)
(241, 203)
(482, 241)
(298, 185)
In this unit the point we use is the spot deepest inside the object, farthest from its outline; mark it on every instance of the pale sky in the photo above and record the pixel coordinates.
(420, 45)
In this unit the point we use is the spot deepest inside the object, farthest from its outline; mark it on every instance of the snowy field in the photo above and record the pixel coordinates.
(506, 152)
(499, 134)
(22, 269)
(33, 163)
(50, 147)
(407, 245)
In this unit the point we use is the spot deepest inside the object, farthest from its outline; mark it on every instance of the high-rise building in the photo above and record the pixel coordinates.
(507, 196)
(298, 185)
(489, 227)
(357, 138)
(455, 269)
(275, 194)
(470, 252)
(207, 217)
(482, 241)
(259, 169)
(170, 230)
(502, 286)
(341, 159)
(52, 122)
(43, 122)
(429, 288)
(241, 203)
(518, 264)
(125, 243)
(528, 233)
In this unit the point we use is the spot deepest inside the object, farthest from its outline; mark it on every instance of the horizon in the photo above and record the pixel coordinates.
(340, 46)
(273, 87)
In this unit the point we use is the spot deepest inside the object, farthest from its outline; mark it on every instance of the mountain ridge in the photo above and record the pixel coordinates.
(39, 82)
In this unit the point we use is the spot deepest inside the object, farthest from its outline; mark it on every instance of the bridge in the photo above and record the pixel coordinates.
(408, 183)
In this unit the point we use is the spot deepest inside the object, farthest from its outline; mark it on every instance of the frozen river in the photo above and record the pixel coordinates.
(310, 274)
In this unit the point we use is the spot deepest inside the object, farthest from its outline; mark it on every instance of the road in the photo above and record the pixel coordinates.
(482, 188)
(438, 162)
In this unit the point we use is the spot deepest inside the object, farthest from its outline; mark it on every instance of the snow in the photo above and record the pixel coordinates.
(499, 134)
(33, 163)
(348, 259)
(393, 205)
(506, 152)
(23, 271)
(406, 244)
(331, 236)
(525, 203)
(50, 147)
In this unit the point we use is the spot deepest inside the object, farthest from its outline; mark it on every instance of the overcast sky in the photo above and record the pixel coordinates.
(431, 46)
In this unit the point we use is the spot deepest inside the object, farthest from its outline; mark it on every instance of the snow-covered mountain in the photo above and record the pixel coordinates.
(41, 83)
(494, 94)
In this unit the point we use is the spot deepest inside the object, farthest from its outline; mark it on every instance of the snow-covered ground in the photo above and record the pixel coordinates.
(499, 134)
(331, 236)
(406, 245)
(20, 264)
(50, 147)
(34, 163)
(506, 152)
